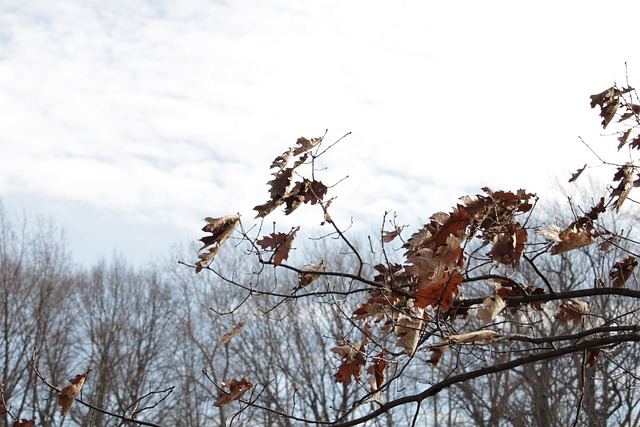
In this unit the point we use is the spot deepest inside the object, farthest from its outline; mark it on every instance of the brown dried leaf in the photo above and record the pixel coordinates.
(608, 101)
(572, 311)
(220, 229)
(625, 176)
(376, 370)
(481, 335)
(439, 293)
(507, 247)
(281, 161)
(622, 139)
(305, 144)
(69, 394)
(592, 357)
(280, 243)
(235, 331)
(408, 328)
(573, 237)
(621, 271)
(438, 352)
(491, 308)
(306, 278)
(353, 360)
(577, 173)
(236, 390)
(24, 423)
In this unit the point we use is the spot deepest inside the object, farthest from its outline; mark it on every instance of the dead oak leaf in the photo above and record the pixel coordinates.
(353, 359)
(280, 243)
(622, 271)
(237, 388)
(69, 394)
(571, 238)
(491, 308)
(572, 311)
(220, 229)
(309, 275)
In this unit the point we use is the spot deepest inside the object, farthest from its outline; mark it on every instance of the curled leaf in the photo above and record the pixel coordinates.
(235, 331)
(492, 307)
(485, 335)
(621, 271)
(306, 278)
(69, 394)
(577, 173)
(572, 311)
(353, 359)
(437, 353)
(220, 229)
(236, 389)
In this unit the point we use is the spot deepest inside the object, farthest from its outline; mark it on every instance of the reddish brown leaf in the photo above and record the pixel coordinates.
(69, 394)
(280, 243)
(353, 360)
(621, 271)
(592, 357)
(376, 370)
(236, 390)
(572, 311)
(439, 293)
(24, 423)
(438, 352)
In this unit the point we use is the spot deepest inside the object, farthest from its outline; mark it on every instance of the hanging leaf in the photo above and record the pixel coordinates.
(69, 394)
(280, 243)
(353, 359)
(566, 240)
(236, 390)
(220, 229)
(625, 176)
(621, 271)
(437, 353)
(491, 308)
(572, 311)
(306, 278)
(577, 173)
(376, 370)
(305, 144)
(408, 328)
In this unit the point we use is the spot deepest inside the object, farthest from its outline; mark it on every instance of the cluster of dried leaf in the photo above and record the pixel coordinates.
(410, 305)
(425, 287)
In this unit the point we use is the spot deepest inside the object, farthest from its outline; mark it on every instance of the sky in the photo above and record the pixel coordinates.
(130, 121)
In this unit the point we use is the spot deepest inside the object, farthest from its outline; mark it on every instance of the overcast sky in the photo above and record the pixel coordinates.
(130, 121)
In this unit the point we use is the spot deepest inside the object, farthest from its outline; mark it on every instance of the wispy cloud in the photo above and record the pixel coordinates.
(162, 112)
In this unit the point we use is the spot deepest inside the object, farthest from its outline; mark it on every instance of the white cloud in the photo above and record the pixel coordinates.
(165, 111)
